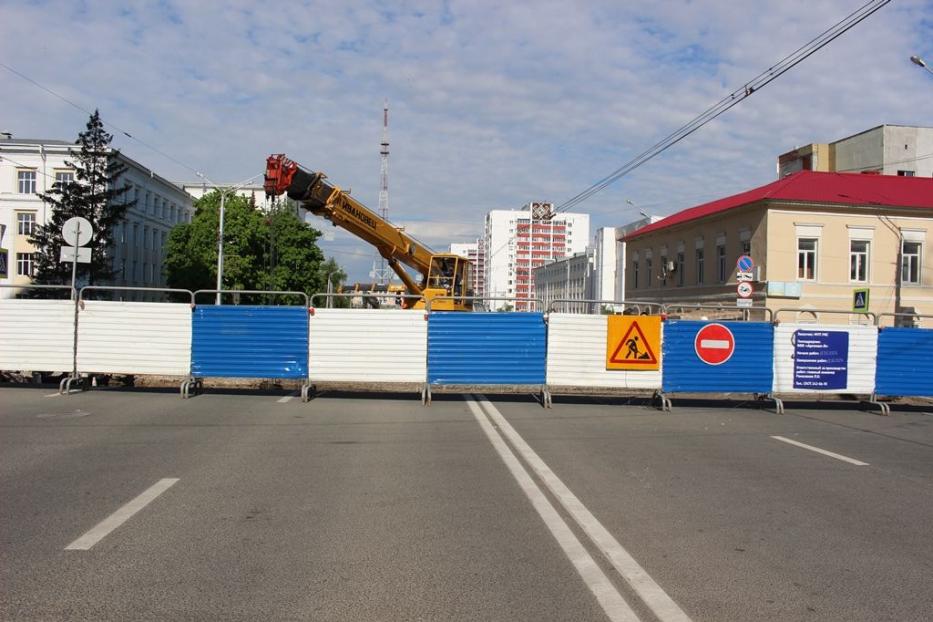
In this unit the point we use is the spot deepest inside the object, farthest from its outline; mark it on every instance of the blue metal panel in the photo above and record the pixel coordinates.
(249, 342)
(486, 348)
(749, 370)
(905, 366)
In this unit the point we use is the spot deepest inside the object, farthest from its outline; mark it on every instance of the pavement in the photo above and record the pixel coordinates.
(134, 504)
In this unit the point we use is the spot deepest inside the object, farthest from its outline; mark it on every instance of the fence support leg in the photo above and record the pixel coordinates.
(64, 387)
(307, 392)
(664, 402)
(191, 386)
(885, 409)
(426, 395)
(778, 402)
(546, 400)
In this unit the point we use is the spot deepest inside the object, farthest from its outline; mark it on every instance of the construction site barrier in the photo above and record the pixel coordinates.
(905, 366)
(250, 341)
(717, 357)
(579, 353)
(825, 358)
(38, 335)
(159, 334)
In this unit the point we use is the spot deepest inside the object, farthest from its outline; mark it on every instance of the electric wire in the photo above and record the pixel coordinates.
(730, 100)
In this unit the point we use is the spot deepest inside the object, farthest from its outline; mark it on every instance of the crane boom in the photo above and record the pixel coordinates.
(441, 274)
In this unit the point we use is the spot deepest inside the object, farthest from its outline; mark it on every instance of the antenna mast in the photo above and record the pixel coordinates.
(381, 273)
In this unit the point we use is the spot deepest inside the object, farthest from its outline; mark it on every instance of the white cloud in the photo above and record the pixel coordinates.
(493, 104)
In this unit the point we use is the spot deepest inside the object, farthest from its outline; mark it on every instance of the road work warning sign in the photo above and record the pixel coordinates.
(633, 342)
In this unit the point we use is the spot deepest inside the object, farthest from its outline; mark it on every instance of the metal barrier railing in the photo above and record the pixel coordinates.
(637, 304)
(248, 292)
(873, 316)
(745, 311)
(377, 295)
(912, 316)
(536, 301)
(132, 289)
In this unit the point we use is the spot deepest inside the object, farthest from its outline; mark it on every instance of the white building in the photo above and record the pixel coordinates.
(902, 150)
(29, 166)
(618, 287)
(474, 252)
(518, 241)
(571, 278)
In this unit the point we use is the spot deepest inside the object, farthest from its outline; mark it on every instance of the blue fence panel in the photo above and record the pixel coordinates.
(905, 366)
(245, 341)
(486, 348)
(747, 370)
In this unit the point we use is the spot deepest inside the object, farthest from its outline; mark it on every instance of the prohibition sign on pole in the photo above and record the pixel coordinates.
(744, 264)
(714, 344)
(633, 342)
(744, 290)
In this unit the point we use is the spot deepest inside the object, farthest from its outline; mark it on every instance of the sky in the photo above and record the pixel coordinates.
(492, 104)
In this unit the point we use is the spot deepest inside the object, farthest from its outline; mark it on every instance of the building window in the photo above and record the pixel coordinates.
(25, 223)
(858, 260)
(27, 182)
(905, 173)
(63, 178)
(664, 273)
(648, 272)
(700, 265)
(910, 263)
(24, 264)
(746, 247)
(721, 263)
(680, 269)
(806, 259)
(635, 274)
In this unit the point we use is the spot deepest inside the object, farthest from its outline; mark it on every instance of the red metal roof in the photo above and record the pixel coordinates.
(815, 187)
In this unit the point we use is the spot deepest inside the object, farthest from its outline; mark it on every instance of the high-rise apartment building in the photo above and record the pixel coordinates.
(518, 241)
(474, 252)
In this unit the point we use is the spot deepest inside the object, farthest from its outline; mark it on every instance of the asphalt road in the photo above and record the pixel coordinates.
(119, 505)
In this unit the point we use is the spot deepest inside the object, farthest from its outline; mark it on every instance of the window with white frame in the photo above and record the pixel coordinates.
(24, 264)
(858, 260)
(635, 274)
(721, 263)
(700, 264)
(27, 182)
(806, 258)
(647, 271)
(681, 262)
(63, 178)
(910, 262)
(25, 223)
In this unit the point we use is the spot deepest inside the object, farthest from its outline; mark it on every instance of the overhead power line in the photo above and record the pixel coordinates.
(730, 100)
(107, 123)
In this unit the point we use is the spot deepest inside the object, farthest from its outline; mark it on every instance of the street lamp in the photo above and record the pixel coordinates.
(916, 60)
(220, 235)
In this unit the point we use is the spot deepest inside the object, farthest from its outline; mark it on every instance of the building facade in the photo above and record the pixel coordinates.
(518, 241)
(572, 278)
(474, 252)
(885, 150)
(815, 239)
(29, 167)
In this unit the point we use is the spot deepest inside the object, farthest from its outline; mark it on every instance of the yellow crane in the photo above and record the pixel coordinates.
(442, 274)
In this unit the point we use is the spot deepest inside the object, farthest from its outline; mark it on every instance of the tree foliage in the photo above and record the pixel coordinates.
(262, 251)
(95, 194)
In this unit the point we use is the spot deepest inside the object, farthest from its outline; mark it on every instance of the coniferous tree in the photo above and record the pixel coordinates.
(95, 194)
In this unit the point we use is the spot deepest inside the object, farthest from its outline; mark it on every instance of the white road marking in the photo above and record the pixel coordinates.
(654, 597)
(287, 398)
(103, 528)
(821, 451)
(715, 344)
(595, 579)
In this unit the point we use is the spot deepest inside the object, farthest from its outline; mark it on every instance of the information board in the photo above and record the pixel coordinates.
(821, 359)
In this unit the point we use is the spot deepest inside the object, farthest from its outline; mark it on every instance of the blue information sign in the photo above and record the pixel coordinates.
(821, 359)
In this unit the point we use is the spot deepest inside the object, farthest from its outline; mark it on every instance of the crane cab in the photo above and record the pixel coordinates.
(449, 275)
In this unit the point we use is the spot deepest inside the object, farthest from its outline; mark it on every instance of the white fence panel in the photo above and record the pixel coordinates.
(576, 355)
(857, 364)
(134, 338)
(37, 335)
(367, 345)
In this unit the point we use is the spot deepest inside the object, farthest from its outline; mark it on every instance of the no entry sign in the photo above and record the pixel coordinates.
(714, 344)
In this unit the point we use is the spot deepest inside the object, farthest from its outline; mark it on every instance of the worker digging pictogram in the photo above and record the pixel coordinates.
(633, 343)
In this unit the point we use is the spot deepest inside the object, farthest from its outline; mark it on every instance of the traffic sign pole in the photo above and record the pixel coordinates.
(74, 260)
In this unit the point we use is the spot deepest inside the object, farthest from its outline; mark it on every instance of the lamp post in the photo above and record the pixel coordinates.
(916, 60)
(220, 234)
(330, 289)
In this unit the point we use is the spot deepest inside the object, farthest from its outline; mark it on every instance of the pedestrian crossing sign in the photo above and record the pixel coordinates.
(860, 300)
(633, 342)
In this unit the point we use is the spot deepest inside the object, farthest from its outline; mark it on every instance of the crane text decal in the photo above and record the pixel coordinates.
(359, 214)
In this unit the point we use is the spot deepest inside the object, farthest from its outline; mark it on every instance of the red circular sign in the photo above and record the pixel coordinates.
(714, 344)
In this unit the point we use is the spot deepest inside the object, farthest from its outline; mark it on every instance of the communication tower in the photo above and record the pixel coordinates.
(381, 273)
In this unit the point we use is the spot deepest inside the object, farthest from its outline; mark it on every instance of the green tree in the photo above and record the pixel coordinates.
(95, 194)
(262, 251)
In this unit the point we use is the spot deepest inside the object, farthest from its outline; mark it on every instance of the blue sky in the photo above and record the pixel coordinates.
(492, 104)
